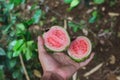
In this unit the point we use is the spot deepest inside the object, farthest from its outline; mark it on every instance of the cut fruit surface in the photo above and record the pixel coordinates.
(80, 48)
(56, 39)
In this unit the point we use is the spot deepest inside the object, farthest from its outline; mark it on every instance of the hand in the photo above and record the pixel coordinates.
(59, 63)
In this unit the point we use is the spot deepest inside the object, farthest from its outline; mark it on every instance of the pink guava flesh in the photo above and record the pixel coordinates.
(80, 48)
(56, 39)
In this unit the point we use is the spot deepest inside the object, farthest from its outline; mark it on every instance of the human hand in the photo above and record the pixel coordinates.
(59, 63)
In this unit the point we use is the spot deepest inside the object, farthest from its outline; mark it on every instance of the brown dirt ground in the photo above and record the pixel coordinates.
(106, 45)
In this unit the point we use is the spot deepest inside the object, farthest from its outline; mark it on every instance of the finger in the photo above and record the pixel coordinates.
(87, 61)
(59, 57)
(41, 45)
(47, 62)
(63, 59)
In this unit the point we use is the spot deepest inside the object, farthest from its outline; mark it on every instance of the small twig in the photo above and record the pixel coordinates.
(113, 14)
(74, 77)
(118, 77)
(93, 70)
(24, 68)
(65, 24)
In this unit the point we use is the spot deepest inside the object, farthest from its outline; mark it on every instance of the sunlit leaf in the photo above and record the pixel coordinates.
(74, 3)
(29, 48)
(17, 2)
(21, 26)
(37, 15)
(20, 29)
(16, 53)
(9, 7)
(18, 44)
(95, 13)
(99, 1)
(68, 1)
(28, 54)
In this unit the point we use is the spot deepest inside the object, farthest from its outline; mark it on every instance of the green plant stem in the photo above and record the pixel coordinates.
(24, 68)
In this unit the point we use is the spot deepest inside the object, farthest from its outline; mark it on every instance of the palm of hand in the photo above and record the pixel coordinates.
(59, 62)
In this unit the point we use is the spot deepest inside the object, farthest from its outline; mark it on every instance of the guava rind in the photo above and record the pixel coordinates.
(87, 54)
(67, 37)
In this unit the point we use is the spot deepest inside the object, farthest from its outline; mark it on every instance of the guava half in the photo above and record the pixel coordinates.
(56, 39)
(80, 48)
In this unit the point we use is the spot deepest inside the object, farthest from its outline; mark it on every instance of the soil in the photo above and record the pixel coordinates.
(106, 46)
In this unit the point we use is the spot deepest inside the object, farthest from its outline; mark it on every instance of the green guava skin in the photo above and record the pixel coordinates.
(80, 60)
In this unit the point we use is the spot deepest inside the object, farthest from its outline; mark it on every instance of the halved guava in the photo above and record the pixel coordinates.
(56, 39)
(80, 48)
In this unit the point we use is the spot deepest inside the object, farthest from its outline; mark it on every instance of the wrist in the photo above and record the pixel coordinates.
(48, 75)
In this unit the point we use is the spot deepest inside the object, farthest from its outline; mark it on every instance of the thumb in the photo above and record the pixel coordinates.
(86, 61)
(41, 45)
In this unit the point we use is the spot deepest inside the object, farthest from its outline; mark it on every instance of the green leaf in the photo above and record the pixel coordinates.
(9, 7)
(28, 54)
(29, 43)
(16, 74)
(13, 19)
(20, 26)
(7, 29)
(37, 15)
(29, 22)
(11, 45)
(2, 52)
(1, 67)
(68, 1)
(33, 7)
(2, 76)
(94, 17)
(73, 26)
(95, 13)
(99, 1)
(20, 29)
(12, 63)
(75, 29)
(17, 2)
(2, 0)
(74, 3)
(9, 55)
(19, 47)
(29, 48)
(18, 44)
(16, 53)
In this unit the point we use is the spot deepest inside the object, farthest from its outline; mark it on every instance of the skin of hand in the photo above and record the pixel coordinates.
(59, 63)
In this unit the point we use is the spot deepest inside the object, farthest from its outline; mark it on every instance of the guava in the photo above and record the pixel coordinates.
(79, 48)
(56, 39)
